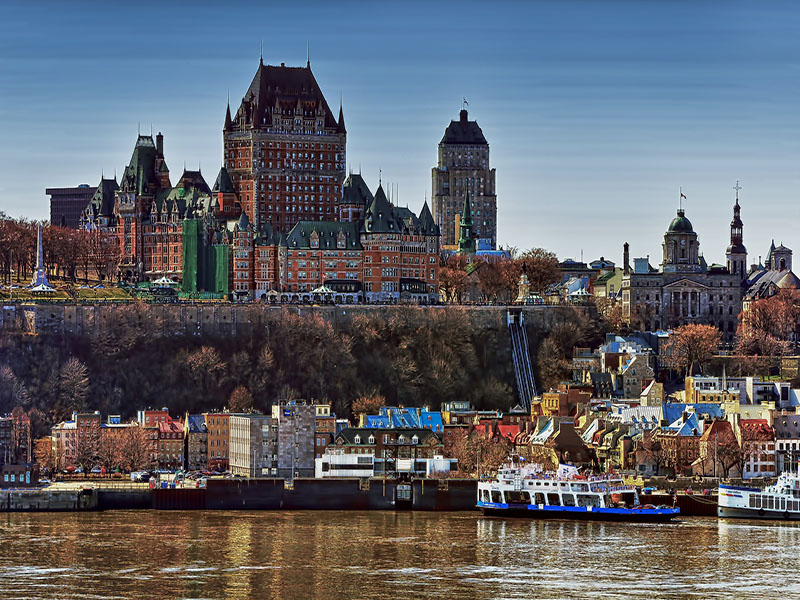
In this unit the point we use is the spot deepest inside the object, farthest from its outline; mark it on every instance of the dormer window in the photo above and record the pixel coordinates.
(357, 439)
(371, 439)
(415, 440)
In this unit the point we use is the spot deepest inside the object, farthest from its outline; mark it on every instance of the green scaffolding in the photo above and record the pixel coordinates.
(205, 265)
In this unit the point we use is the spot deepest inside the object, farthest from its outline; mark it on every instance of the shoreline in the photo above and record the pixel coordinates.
(429, 495)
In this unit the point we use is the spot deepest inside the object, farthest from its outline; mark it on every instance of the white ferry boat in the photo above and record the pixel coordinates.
(523, 492)
(780, 500)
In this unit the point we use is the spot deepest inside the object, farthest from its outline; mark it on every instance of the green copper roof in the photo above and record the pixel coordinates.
(466, 243)
(426, 223)
(355, 191)
(680, 224)
(102, 203)
(380, 216)
(223, 184)
(325, 234)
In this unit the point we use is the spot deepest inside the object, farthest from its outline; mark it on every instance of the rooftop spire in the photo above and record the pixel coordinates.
(261, 53)
(466, 215)
(340, 124)
(737, 187)
(466, 244)
(228, 121)
(308, 54)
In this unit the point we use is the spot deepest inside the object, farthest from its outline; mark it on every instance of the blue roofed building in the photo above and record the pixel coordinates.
(390, 417)
(680, 439)
(672, 411)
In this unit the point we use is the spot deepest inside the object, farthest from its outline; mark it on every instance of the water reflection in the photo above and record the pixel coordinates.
(245, 555)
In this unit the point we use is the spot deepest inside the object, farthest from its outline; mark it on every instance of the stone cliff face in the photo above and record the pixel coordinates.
(190, 357)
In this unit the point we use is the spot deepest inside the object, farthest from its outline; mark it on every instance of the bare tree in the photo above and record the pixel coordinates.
(477, 451)
(135, 448)
(367, 404)
(20, 435)
(86, 449)
(453, 277)
(691, 345)
(73, 383)
(541, 267)
(652, 449)
(43, 452)
(240, 400)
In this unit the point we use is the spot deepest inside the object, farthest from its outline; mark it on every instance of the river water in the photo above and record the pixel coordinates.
(161, 554)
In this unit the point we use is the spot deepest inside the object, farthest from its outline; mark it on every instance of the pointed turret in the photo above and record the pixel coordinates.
(223, 184)
(340, 124)
(426, 222)
(380, 217)
(768, 261)
(244, 222)
(356, 197)
(228, 121)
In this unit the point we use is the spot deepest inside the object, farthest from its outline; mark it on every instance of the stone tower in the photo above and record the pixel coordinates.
(681, 247)
(463, 166)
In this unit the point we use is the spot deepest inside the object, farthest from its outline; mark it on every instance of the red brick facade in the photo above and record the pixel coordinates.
(285, 150)
(281, 201)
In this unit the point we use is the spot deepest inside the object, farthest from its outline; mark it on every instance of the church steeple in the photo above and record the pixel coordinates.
(466, 243)
(736, 254)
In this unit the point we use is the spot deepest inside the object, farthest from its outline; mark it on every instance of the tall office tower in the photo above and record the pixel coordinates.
(464, 167)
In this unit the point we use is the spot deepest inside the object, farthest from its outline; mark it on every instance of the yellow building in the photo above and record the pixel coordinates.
(697, 395)
(750, 411)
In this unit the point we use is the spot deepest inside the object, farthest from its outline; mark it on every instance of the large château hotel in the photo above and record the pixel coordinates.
(284, 150)
(280, 220)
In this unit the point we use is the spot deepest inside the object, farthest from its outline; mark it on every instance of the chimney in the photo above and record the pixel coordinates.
(626, 259)
(463, 116)
(160, 144)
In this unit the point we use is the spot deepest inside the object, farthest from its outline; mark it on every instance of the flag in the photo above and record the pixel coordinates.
(683, 195)
(566, 471)
(465, 101)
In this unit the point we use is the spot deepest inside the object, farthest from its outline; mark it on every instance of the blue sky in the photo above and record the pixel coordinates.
(596, 112)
